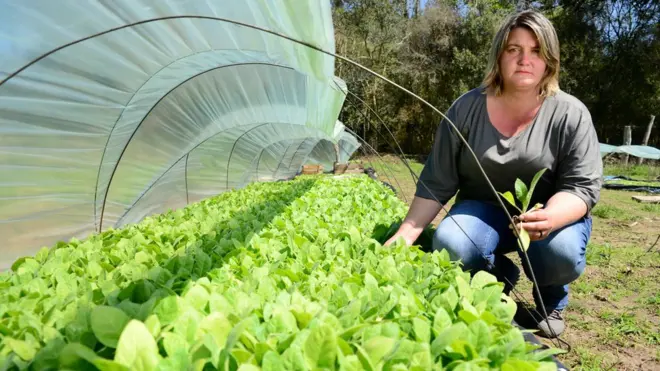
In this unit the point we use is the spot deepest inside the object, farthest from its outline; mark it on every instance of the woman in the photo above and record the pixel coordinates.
(517, 123)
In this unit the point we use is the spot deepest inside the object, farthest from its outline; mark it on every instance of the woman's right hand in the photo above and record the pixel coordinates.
(421, 213)
(408, 239)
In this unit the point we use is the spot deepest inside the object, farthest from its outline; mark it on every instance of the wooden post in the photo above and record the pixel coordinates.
(647, 135)
(627, 139)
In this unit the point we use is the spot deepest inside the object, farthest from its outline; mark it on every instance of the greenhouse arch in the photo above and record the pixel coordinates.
(130, 105)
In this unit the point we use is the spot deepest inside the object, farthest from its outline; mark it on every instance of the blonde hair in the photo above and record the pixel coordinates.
(549, 49)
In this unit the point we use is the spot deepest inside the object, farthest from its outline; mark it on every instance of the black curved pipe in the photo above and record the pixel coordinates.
(114, 169)
(174, 164)
(121, 114)
(278, 164)
(256, 173)
(234, 147)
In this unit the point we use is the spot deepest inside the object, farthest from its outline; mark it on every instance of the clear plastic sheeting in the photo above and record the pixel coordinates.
(124, 120)
(348, 144)
(606, 149)
(646, 152)
(322, 153)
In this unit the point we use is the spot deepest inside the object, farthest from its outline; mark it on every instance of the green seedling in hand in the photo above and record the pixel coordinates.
(524, 197)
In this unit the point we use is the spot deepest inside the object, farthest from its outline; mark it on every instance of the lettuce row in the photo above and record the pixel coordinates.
(276, 276)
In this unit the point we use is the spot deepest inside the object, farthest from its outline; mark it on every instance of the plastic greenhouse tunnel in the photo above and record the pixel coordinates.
(643, 152)
(106, 131)
(152, 216)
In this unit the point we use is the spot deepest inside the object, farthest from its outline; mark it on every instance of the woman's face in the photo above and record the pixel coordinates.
(521, 64)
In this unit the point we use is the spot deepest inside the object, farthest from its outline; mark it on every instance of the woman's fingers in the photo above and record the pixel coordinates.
(534, 216)
(536, 226)
(536, 230)
(533, 226)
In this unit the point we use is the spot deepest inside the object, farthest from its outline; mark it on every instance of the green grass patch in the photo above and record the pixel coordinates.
(652, 300)
(590, 360)
(583, 286)
(651, 208)
(599, 254)
(625, 327)
(605, 211)
(643, 171)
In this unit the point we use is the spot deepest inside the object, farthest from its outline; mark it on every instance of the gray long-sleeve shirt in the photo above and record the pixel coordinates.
(561, 139)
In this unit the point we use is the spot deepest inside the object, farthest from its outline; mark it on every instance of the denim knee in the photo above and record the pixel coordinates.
(560, 258)
(459, 245)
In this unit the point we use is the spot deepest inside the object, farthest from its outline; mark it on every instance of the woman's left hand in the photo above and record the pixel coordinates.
(538, 223)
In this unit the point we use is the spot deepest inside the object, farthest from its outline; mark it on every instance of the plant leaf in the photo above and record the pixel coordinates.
(523, 241)
(481, 279)
(107, 324)
(509, 197)
(153, 325)
(422, 329)
(272, 361)
(532, 185)
(441, 321)
(378, 347)
(76, 356)
(137, 349)
(24, 350)
(546, 354)
(321, 347)
(481, 336)
(521, 193)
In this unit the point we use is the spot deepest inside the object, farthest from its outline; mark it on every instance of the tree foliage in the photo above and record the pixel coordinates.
(610, 59)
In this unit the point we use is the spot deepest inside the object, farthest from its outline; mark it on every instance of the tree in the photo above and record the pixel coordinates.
(610, 53)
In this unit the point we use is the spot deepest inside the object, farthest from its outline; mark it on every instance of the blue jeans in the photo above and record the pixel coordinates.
(557, 260)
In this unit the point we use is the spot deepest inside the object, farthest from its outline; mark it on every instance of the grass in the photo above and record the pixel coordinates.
(613, 316)
(651, 208)
(606, 211)
(633, 170)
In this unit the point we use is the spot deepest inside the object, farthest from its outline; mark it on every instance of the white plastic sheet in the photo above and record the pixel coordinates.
(144, 118)
(646, 152)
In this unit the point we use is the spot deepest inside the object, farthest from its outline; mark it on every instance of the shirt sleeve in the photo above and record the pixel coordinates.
(438, 180)
(580, 170)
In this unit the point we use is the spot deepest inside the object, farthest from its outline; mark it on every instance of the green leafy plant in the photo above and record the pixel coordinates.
(274, 276)
(524, 197)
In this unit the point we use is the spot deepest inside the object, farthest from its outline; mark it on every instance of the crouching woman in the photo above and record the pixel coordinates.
(517, 123)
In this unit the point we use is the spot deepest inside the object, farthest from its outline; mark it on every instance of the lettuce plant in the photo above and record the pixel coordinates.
(524, 197)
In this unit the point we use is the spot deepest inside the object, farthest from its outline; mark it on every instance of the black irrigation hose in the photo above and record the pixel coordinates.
(453, 126)
(652, 246)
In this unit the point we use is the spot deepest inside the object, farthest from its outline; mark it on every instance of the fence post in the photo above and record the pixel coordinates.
(647, 135)
(627, 140)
